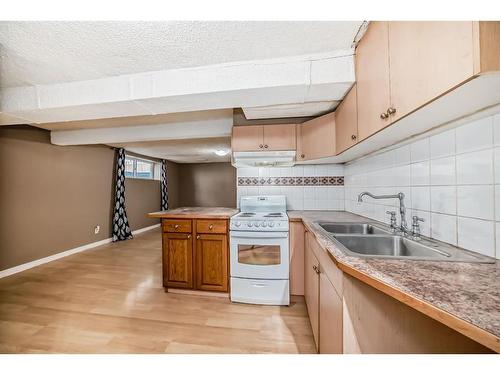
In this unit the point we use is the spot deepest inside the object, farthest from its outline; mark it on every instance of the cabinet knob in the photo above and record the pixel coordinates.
(210, 227)
(316, 269)
(176, 226)
(266, 146)
(353, 137)
(261, 146)
(384, 115)
(302, 156)
(391, 110)
(189, 236)
(197, 236)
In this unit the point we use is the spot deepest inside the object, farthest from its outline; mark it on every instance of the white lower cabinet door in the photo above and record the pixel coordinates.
(330, 318)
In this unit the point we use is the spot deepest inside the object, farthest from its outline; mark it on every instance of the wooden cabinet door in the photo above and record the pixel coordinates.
(311, 289)
(316, 138)
(372, 79)
(212, 262)
(178, 260)
(247, 138)
(427, 59)
(346, 122)
(280, 137)
(330, 317)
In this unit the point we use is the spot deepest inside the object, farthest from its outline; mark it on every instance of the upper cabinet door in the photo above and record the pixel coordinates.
(427, 59)
(280, 137)
(346, 122)
(247, 138)
(372, 80)
(316, 138)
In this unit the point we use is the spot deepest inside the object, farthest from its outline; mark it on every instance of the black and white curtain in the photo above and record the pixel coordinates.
(164, 190)
(121, 228)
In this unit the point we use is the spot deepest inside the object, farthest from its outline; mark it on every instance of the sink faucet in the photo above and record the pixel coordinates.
(403, 227)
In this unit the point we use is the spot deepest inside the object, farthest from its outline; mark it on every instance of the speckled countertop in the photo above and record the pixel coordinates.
(468, 291)
(196, 213)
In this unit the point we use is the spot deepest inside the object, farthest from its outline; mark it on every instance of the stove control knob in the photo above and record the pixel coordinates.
(271, 224)
(264, 224)
(249, 224)
(237, 224)
(256, 224)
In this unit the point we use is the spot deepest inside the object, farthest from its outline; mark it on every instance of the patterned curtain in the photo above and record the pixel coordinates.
(164, 190)
(121, 229)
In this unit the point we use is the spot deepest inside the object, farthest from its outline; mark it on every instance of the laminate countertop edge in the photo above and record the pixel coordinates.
(468, 329)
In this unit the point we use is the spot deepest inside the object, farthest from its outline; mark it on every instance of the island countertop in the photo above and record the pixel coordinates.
(196, 213)
(463, 296)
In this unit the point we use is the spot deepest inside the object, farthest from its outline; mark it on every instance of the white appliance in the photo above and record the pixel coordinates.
(259, 251)
(264, 159)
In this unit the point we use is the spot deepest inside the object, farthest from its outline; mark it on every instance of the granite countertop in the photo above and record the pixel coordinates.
(467, 291)
(196, 213)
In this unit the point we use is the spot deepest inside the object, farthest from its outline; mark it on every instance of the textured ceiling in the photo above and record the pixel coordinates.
(182, 150)
(49, 52)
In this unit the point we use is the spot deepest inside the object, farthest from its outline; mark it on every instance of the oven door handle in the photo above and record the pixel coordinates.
(257, 235)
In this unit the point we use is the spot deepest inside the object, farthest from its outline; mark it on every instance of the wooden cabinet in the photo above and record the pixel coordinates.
(198, 259)
(372, 79)
(426, 60)
(346, 122)
(211, 262)
(330, 317)
(177, 260)
(311, 289)
(279, 137)
(316, 138)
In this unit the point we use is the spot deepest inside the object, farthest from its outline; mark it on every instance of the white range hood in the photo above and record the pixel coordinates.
(263, 159)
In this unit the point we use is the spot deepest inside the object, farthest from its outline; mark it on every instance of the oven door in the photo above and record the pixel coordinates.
(259, 255)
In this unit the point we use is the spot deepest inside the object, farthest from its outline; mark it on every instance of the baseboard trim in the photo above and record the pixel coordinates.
(79, 249)
(145, 229)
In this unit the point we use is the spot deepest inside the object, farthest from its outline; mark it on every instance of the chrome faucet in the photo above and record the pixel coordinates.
(403, 227)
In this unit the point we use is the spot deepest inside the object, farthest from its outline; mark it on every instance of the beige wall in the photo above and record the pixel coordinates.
(173, 184)
(207, 184)
(51, 197)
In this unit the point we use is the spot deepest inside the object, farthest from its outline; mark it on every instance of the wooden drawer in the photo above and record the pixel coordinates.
(211, 226)
(176, 226)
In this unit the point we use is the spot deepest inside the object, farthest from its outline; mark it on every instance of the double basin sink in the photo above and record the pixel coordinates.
(368, 240)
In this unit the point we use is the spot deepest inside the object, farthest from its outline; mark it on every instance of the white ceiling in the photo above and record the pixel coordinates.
(53, 52)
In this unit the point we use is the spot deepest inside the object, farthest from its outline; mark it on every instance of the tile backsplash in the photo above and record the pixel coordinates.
(451, 179)
(306, 187)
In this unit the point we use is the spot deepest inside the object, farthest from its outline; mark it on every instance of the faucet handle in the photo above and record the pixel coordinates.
(416, 219)
(393, 219)
(392, 213)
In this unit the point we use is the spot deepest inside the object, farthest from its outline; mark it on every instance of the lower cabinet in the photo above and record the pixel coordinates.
(193, 259)
(324, 304)
(211, 262)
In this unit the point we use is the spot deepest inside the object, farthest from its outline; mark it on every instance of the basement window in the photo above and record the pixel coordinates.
(139, 168)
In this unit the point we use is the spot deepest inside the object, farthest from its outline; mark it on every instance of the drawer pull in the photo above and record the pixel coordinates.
(189, 236)
(176, 226)
(197, 236)
(211, 227)
(316, 269)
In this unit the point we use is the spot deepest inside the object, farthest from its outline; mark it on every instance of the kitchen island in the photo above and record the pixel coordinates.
(195, 245)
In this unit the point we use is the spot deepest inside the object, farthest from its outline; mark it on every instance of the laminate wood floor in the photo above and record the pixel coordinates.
(110, 300)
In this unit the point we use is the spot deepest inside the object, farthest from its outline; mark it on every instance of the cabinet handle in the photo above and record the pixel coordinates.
(189, 236)
(261, 146)
(266, 146)
(384, 115)
(353, 137)
(391, 110)
(197, 236)
(210, 227)
(176, 226)
(316, 269)
(302, 156)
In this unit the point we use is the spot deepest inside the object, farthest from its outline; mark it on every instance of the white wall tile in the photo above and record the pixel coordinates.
(475, 201)
(475, 135)
(420, 150)
(420, 173)
(444, 199)
(443, 171)
(497, 236)
(421, 198)
(496, 130)
(497, 205)
(444, 228)
(402, 155)
(496, 162)
(476, 235)
(443, 144)
(475, 167)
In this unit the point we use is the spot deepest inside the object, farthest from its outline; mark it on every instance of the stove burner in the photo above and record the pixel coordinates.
(246, 214)
(274, 214)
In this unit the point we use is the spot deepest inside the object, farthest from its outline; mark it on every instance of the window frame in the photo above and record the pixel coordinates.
(135, 159)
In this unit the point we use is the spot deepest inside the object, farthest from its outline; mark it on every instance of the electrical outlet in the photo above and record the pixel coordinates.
(97, 228)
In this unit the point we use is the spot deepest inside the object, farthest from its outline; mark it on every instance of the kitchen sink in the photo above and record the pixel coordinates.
(352, 228)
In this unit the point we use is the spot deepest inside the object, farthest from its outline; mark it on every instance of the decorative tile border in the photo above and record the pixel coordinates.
(292, 181)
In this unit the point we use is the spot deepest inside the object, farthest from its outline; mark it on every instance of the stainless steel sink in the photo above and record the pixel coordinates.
(352, 228)
(389, 246)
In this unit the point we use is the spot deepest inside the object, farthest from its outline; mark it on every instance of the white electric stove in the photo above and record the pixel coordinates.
(260, 251)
